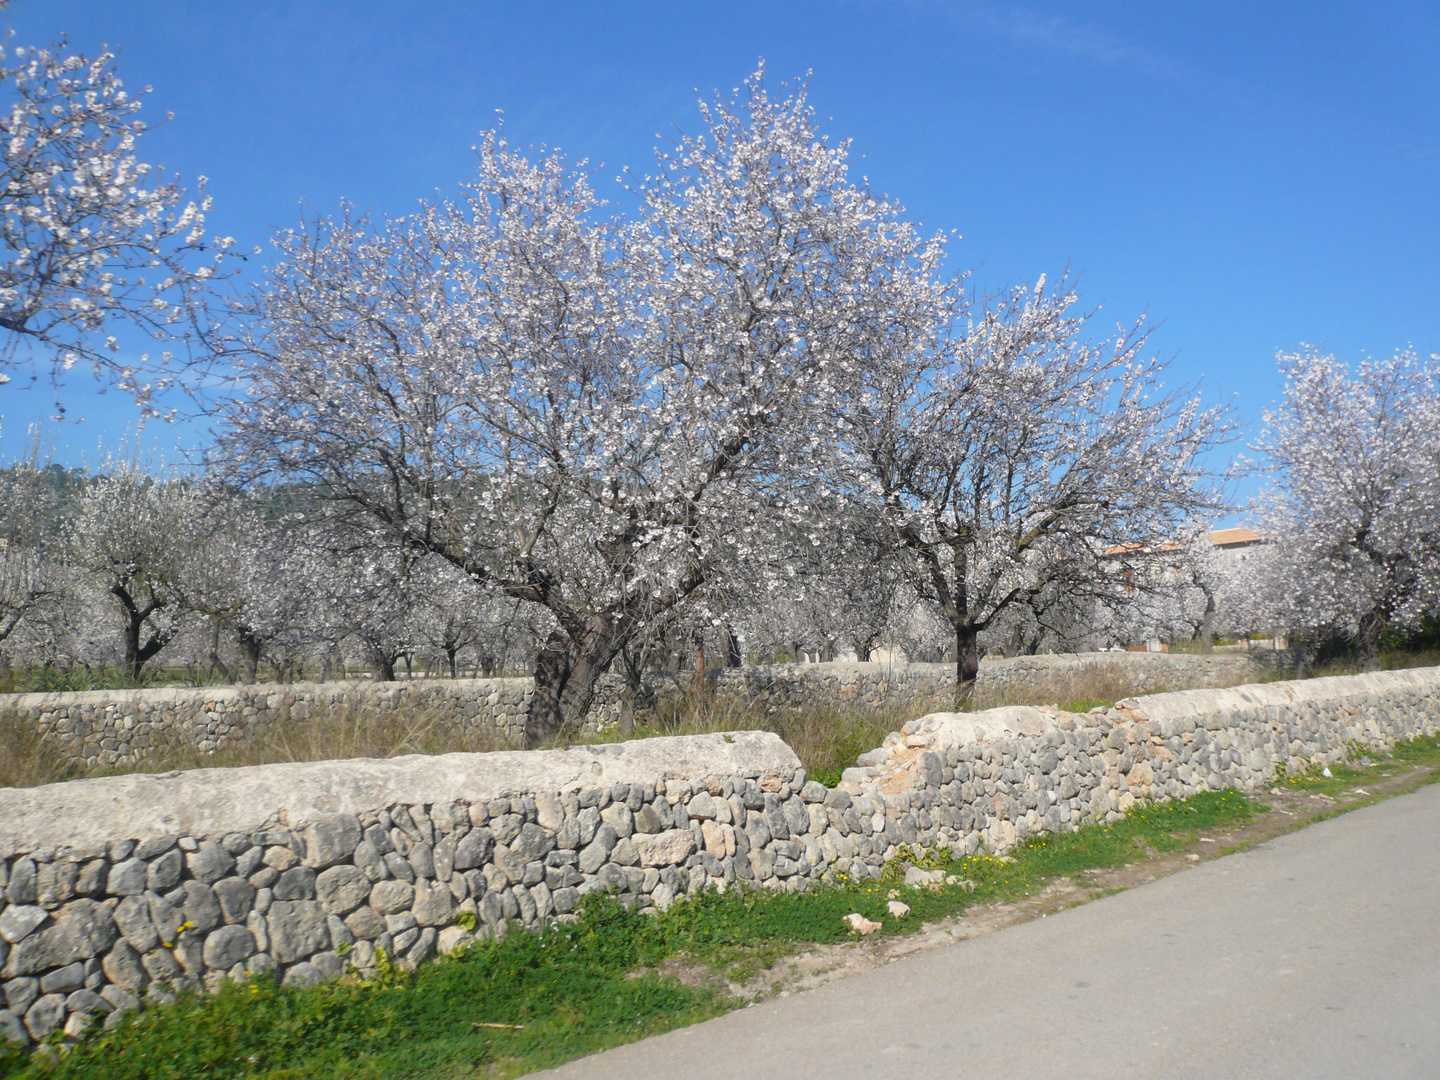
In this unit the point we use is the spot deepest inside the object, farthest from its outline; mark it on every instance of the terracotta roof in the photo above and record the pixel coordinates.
(1234, 537)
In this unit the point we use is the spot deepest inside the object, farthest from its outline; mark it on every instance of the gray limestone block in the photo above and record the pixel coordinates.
(236, 897)
(18, 921)
(474, 849)
(280, 857)
(91, 879)
(340, 934)
(509, 863)
(647, 821)
(20, 889)
(422, 860)
(434, 904)
(341, 889)
(55, 883)
(506, 827)
(63, 980)
(370, 862)
(303, 974)
(20, 993)
(331, 840)
(123, 968)
(365, 923)
(620, 818)
(379, 838)
(249, 861)
(45, 1016)
(297, 929)
(330, 965)
(81, 930)
(296, 883)
(589, 821)
(160, 965)
(126, 879)
(228, 946)
(132, 918)
(444, 857)
(532, 843)
(201, 908)
(12, 1028)
(209, 863)
(388, 897)
(149, 849)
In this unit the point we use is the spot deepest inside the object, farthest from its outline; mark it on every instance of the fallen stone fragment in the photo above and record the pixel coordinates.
(898, 909)
(860, 924)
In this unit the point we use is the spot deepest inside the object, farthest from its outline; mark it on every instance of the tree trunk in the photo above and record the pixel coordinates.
(967, 664)
(1367, 639)
(1207, 627)
(249, 654)
(734, 658)
(566, 672)
(452, 655)
(216, 664)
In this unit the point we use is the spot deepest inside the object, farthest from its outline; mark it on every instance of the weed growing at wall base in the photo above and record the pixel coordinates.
(529, 1001)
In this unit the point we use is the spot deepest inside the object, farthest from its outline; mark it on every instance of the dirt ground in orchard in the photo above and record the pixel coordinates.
(1287, 809)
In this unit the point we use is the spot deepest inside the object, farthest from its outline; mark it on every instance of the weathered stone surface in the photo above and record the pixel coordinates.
(201, 908)
(297, 929)
(236, 897)
(341, 889)
(63, 980)
(434, 904)
(132, 917)
(81, 930)
(45, 1016)
(648, 821)
(127, 878)
(331, 839)
(228, 946)
(388, 897)
(210, 863)
(297, 883)
(474, 849)
(668, 848)
(122, 967)
(365, 923)
(19, 920)
(702, 807)
(163, 874)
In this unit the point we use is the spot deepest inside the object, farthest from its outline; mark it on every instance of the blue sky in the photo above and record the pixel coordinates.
(1253, 176)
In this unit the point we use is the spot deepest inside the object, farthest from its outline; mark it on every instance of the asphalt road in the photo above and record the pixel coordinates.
(1315, 955)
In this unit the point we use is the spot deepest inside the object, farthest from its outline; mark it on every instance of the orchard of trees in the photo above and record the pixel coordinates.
(753, 415)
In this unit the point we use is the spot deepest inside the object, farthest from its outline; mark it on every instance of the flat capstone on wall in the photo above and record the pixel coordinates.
(123, 889)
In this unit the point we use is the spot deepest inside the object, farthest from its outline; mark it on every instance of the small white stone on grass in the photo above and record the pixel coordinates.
(861, 924)
(898, 909)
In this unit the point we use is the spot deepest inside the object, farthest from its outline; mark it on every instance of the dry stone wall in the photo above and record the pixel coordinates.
(108, 728)
(128, 888)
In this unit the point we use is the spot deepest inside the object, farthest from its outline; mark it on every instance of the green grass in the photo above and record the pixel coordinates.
(575, 989)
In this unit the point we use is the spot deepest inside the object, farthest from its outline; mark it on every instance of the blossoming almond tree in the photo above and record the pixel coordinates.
(1354, 510)
(99, 254)
(587, 414)
(1014, 454)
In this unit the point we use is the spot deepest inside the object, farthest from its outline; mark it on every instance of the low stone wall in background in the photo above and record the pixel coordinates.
(105, 728)
(123, 888)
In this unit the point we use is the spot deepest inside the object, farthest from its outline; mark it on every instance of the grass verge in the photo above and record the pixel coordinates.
(531, 1001)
